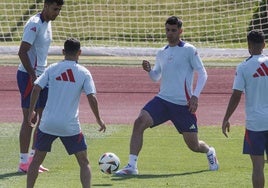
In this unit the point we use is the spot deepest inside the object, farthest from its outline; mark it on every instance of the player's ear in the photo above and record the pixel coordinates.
(180, 30)
(63, 52)
(79, 52)
(45, 6)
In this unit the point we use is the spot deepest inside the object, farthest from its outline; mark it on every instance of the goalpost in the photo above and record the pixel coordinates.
(217, 28)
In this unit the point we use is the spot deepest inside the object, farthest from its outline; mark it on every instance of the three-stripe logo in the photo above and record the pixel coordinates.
(66, 76)
(261, 71)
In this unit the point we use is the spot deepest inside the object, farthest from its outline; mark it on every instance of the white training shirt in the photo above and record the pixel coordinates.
(38, 33)
(66, 81)
(175, 67)
(252, 78)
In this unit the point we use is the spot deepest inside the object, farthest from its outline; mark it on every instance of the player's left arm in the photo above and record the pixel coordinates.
(200, 82)
(198, 66)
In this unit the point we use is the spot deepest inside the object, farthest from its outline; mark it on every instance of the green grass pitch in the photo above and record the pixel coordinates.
(164, 161)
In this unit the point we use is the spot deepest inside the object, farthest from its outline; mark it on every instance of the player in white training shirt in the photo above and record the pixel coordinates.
(252, 79)
(176, 101)
(67, 80)
(176, 86)
(33, 51)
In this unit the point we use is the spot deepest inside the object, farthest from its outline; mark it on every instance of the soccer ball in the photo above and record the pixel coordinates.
(109, 163)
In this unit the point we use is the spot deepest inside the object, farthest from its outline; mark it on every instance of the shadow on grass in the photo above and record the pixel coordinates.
(102, 185)
(11, 174)
(151, 176)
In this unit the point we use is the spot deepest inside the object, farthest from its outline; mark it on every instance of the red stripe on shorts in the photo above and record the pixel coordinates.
(28, 89)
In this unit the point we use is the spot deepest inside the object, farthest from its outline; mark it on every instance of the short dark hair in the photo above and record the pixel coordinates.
(256, 36)
(58, 2)
(71, 46)
(173, 20)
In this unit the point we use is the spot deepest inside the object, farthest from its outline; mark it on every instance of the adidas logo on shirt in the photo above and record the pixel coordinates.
(66, 76)
(261, 71)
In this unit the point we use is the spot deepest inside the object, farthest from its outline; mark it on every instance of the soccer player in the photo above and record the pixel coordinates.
(33, 51)
(252, 78)
(176, 101)
(67, 80)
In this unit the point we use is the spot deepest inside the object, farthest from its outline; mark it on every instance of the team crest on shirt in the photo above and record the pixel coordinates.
(170, 59)
(33, 29)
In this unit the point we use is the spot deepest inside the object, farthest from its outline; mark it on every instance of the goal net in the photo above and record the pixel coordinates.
(217, 28)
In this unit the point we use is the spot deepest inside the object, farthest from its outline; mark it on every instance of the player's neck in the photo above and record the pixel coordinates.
(175, 43)
(71, 58)
(256, 52)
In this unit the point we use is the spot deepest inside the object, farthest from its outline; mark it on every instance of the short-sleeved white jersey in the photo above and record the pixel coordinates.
(38, 33)
(252, 78)
(175, 67)
(66, 81)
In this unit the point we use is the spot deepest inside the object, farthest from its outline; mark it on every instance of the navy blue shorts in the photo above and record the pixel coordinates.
(255, 142)
(162, 111)
(25, 88)
(72, 144)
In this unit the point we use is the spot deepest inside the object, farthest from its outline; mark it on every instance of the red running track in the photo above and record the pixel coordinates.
(122, 92)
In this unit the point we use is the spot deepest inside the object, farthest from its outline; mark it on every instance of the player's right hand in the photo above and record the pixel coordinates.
(29, 123)
(146, 65)
(33, 77)
(225, 127)
(102, 125)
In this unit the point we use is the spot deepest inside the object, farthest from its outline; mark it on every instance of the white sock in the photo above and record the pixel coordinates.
(31, 153)
(23, 157)
(133, 160)
(210, 151)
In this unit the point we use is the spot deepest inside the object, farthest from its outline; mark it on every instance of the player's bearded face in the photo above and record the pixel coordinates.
(173, 34)
(52, 11)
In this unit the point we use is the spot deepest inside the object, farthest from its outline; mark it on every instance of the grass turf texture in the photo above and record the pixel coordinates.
(165, 161)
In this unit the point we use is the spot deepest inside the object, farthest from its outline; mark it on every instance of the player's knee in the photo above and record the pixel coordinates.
(83, 162)
(144, 120)
(140, 124)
